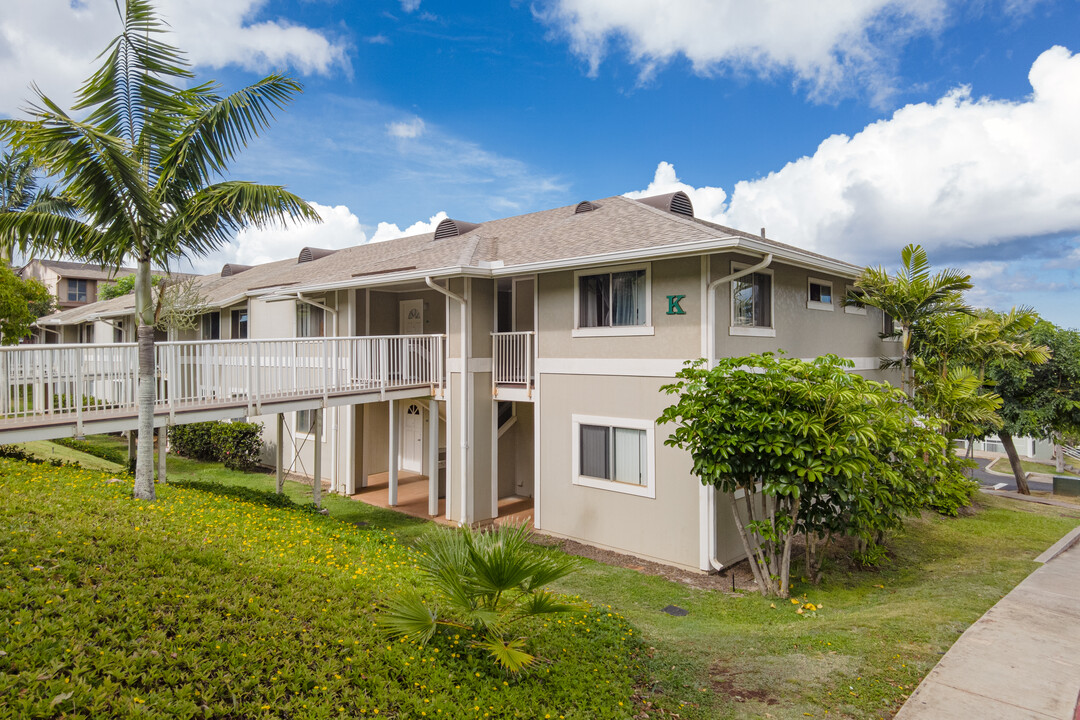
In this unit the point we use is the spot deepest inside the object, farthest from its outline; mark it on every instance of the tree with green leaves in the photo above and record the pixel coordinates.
(1040, 399)
(808, 448)
(21, 303)
(484, 583)
(911, 297)
(124, 285)
(143, 161)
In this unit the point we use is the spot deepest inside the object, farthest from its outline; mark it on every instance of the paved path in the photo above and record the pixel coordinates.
(989, 479)
(1019, 661)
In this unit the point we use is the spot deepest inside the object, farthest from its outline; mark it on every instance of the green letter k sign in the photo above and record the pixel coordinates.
(673, 306)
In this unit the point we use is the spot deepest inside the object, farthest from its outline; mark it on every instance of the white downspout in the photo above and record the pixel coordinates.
(333, 426)
(463, 460)
(711, 311)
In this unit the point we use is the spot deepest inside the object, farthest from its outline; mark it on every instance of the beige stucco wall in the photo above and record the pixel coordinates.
(664, 528)
(516, 454)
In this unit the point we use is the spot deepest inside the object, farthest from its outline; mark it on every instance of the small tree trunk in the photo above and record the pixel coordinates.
(785, 560)
(1014, 461)
(751, 555)
(144, 310)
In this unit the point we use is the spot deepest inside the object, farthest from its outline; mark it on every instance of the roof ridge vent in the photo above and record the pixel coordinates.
(677, 202)
(585, 206)
(231, 269)
(452, 228)
(312, 253)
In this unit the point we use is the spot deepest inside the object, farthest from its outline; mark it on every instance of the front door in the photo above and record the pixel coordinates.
(412, 438)
(411, 317)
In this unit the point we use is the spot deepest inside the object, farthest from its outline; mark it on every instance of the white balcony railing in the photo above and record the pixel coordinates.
(58, 381)
(512, 360)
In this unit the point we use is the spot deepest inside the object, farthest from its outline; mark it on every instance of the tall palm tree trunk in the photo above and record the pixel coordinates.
(1014, 461)
(144, 308)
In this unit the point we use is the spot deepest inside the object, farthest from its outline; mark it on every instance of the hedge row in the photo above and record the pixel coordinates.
(236, 444)
(105, 453)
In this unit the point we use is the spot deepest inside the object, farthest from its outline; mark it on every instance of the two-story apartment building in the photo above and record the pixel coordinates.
(560, 327)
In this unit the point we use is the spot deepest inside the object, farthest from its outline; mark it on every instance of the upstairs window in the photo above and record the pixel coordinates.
(613, 302)
(855, 307)
(239, 324)
(309, 321)
(752, 304)
(889, 330)
(819, 295)
(211, 326)
(76, 291)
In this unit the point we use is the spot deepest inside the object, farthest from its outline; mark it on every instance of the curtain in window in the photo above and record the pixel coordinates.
(628, 298)
(762, 299)
(595, 445)
(629, 456)
(593, 302)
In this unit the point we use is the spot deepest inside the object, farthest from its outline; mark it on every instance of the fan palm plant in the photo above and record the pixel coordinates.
(142, 160)
(483, 582)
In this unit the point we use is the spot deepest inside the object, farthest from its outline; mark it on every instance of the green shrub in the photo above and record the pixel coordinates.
(193, 441)
(237, 444)
(105, 453)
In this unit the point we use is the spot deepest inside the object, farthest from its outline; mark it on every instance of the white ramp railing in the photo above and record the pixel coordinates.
(58, 381)
(512, 359)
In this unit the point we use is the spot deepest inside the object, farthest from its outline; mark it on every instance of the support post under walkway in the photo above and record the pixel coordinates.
(393, 459)
(433, 457)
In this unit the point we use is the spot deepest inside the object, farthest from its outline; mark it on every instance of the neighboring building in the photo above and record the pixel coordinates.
(73, 284)
(561, 327)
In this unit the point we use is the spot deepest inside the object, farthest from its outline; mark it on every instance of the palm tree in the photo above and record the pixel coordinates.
(143, 164)
(19, 192)
(911, 298)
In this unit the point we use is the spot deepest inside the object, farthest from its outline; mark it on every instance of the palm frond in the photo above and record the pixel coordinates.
(408, 616)
(47, 232)
(509, 654)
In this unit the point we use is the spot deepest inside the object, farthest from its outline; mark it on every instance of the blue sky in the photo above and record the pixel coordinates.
(849, 128)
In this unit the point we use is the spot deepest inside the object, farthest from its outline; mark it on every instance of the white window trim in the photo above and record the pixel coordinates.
(613, 331)
(297, 432)
(815, 305)
(752, 330)
(852, 309)
(648, 490)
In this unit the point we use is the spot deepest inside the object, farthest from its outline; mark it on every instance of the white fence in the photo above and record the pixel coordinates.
(55, 381)
(512, 359)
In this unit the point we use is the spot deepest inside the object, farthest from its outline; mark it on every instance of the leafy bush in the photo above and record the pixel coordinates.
(193, 441)
(105, 453)
(236, 444)
(64, 401)
(485, 583)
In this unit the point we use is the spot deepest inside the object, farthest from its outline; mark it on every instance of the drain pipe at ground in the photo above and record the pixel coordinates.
(711, 325)
(463, 305)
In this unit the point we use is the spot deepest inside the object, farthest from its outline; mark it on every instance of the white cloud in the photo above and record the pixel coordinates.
(410, 5)
(961, 172)
(406, 129)
(958, 174)
(390, 231)
(708, 201)
(54, 43)
(828, 44)
(340, 228)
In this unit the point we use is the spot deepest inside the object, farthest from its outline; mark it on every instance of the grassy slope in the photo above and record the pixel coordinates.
(875, 636)
(1001, 465)
(51, 451)
(199, 603)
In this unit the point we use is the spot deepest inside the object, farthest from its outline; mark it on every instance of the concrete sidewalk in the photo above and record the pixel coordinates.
(1019, 660)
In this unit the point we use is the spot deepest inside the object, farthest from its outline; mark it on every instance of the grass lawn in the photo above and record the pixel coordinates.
(236, 592)
(1002, 465)
(46, 450)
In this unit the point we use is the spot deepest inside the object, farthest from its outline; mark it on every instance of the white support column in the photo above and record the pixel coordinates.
(392, 460)
(317, 431)
(279, 453)
(433, 457)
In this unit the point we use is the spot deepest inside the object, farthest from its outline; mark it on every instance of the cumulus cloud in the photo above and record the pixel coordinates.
(410, 5)
(961, 172)
(340, 228)
(708, 201)
(830, 45)
(54, 43)
(390, 231)
(406, 129)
